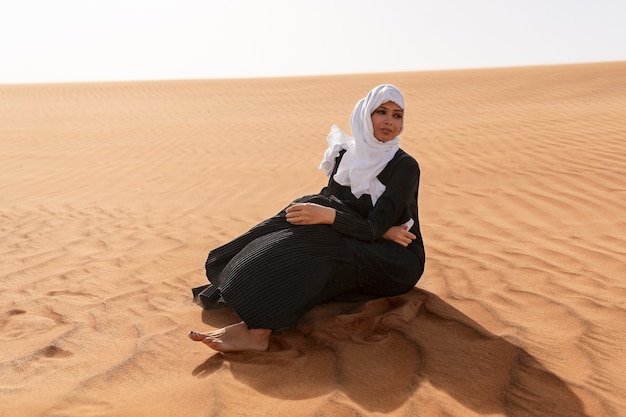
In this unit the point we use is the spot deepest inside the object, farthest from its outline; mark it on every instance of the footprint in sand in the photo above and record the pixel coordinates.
(14, 312)
(54, 352)
(15, 323)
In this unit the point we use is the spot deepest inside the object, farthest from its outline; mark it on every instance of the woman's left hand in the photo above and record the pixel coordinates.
(400, 235)
(309, 213)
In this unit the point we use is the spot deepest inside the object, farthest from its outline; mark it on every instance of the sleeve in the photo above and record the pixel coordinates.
(390, 207)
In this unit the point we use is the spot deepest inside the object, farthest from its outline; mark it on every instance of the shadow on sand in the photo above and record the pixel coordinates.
(383, 354)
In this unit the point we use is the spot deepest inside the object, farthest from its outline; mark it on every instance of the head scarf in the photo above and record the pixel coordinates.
(365, 155)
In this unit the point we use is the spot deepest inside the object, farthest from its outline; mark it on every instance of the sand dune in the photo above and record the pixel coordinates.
(113, 193)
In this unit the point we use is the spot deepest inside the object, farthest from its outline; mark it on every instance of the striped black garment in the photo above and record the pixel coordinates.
(277, 271)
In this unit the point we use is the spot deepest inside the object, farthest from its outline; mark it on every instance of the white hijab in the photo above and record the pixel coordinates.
(365, 155)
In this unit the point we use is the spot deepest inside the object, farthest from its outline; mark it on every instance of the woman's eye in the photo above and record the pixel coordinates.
(397, 116)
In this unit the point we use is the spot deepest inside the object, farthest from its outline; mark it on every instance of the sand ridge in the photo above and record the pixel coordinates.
(113, 193)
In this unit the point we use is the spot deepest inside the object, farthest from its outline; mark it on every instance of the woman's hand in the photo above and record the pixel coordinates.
(400, 235)
(309, 213)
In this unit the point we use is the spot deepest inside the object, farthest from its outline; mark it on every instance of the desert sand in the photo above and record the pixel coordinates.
(112, 194)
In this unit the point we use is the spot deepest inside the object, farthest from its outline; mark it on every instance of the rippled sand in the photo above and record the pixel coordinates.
(113, 193)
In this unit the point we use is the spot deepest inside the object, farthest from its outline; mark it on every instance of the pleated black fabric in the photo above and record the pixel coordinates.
(275, 272)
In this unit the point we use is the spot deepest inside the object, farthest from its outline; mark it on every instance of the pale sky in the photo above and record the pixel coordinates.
(113, 40)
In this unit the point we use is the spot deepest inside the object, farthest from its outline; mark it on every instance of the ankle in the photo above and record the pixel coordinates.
(260, 337)
(260, 334)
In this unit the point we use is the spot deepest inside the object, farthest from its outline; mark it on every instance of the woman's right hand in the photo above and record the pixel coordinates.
(309, 213)
(400, 235)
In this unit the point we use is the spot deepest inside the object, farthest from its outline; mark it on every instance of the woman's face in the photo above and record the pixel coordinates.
(387, 121)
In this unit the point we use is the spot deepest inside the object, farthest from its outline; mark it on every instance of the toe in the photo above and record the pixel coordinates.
(196, 336)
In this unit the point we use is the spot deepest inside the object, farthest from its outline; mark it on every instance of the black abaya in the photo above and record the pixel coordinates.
(275, 272)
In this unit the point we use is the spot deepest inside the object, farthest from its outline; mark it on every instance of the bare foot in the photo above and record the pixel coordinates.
(234, 338)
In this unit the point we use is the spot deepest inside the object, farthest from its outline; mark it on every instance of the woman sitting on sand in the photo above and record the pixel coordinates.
(358, 239)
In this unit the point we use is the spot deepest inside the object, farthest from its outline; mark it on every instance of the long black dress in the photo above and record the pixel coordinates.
(277, 271)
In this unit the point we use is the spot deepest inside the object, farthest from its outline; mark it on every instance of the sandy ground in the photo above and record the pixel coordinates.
(112, 194)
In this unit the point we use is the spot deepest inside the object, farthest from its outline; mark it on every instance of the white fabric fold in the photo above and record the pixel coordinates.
(337, 141)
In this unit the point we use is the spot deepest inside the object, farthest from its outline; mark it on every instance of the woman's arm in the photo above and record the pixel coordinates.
(400, 189)
(382, 221)
(311, 213)
(398, 203)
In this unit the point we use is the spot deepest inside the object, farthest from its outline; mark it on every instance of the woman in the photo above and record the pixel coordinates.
(358, 239)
